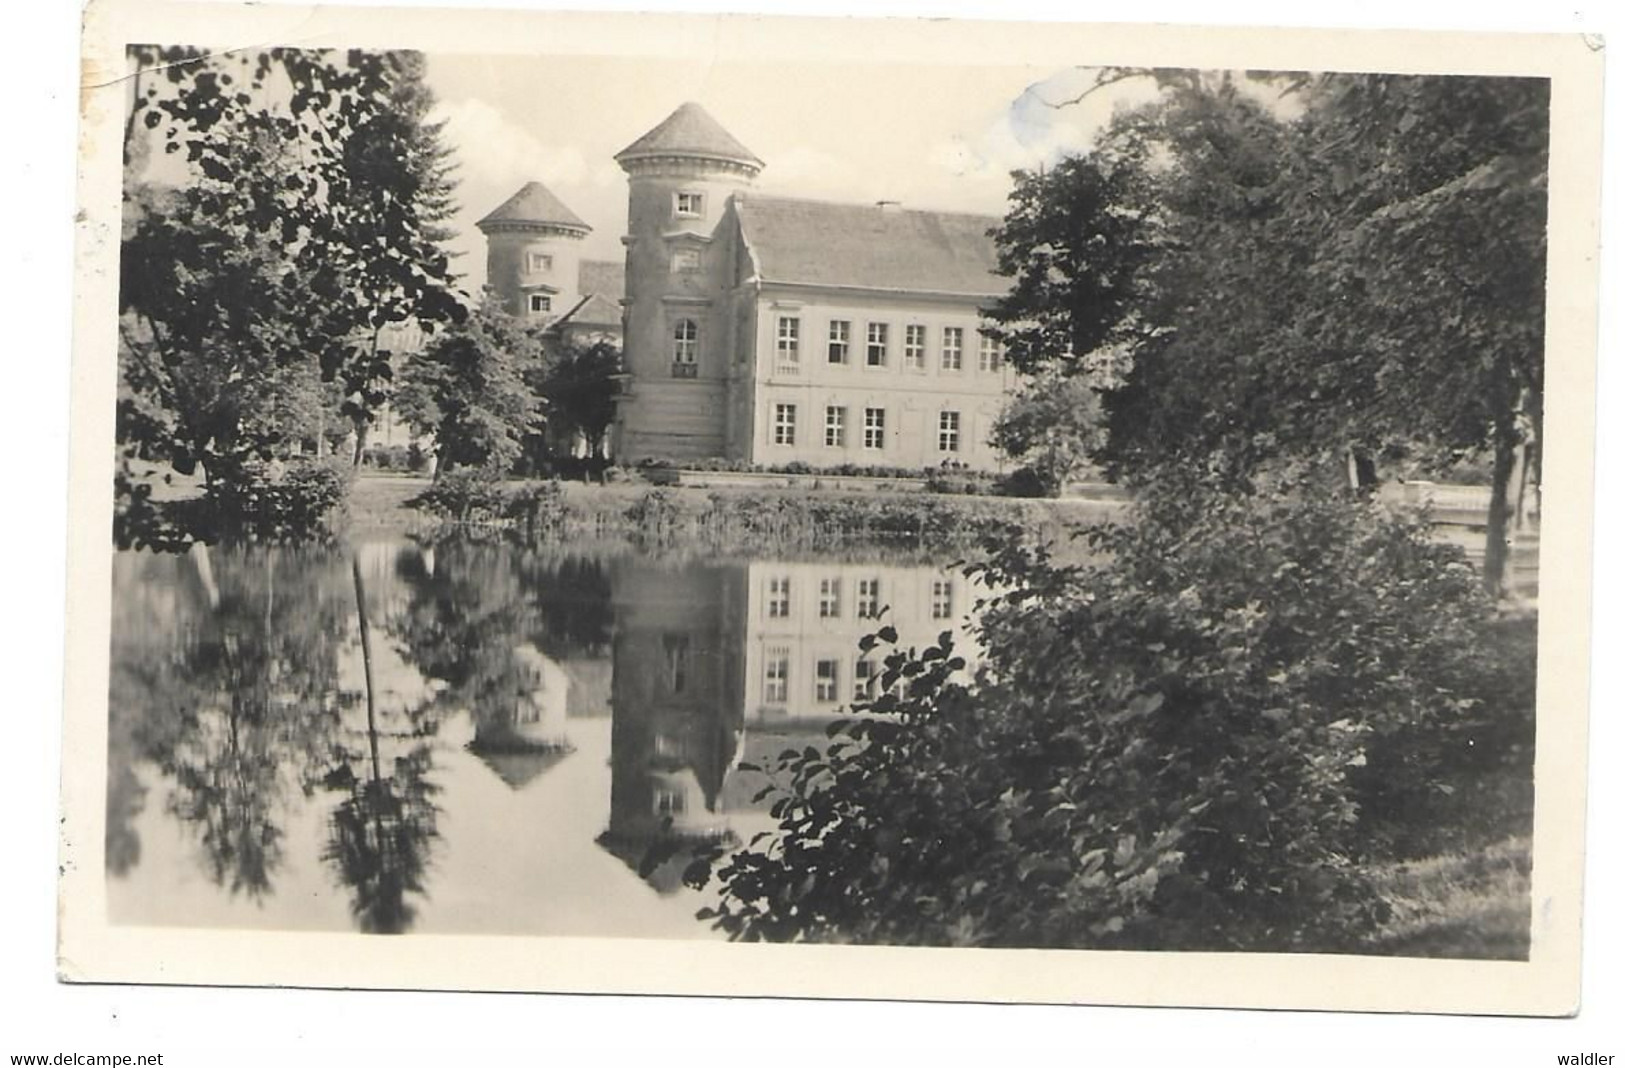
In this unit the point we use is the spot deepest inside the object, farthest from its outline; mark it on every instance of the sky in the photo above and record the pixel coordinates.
(944, 136)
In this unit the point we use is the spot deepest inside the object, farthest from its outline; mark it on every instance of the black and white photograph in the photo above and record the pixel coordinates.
(838, 516)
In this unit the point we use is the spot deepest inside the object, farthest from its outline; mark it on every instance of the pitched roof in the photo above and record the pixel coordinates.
(535, 203)
(817, 242)
(517, 769)
(607, 278)
(592, 310)
(689, 131)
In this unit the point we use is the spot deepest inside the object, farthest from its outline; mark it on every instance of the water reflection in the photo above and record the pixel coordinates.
(469, 737)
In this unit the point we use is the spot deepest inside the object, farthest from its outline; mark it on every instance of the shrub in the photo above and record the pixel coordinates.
(141, 523)
(390, 457)
(1168, 749)
(465, 495)
(294, 500)
(1025, 482)
(539, 506)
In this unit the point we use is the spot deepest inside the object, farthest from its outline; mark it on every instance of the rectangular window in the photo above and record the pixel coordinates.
(538, 262)
(948, 432)
(827, 681)
(676, 646)
(914, 347)
(829, 598)
(990, 354)
(784, 424)
(877, 344)
(690, 205)
(789, 343)
(685, 347)
(863, 678)
(778, 597)
(869, 598)
(541, 302)
(685, 261)
(776, 676)
(670, 801)
(942, 598)
(840, 339)
(835, 427)
(874, 428)
(953, 348)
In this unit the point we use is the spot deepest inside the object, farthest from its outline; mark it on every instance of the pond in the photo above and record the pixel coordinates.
(470, 737)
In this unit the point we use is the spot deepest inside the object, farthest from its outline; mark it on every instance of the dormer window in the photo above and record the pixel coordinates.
(540, 303)
(689, 205)
(685, 261)
(538, 262)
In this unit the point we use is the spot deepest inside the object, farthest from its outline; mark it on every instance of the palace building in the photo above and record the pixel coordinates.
(770, 329)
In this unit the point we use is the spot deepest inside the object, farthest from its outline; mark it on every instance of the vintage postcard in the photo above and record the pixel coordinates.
(837, 508)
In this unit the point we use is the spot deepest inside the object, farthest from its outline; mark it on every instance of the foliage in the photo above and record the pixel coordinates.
(1356, 264)
(394, 457)
(138, 521)
(467, 388)
(298, 501)
(1171, 748)
(469, 495)
(579, 386)
(255, 292)
(1052, 426)
(540, 506)
(1074, 241)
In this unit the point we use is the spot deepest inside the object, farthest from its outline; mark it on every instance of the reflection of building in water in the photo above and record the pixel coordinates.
(729, 663)
(676, 697)
(522, 737)
(803, 623)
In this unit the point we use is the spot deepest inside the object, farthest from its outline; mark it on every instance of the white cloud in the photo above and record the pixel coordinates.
(494, 151)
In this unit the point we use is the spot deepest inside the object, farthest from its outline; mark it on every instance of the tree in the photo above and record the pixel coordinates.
(1176, 747)
(1075, 241)
(402, 183)
(1433, 217)
(1052, 426)
(467, 387)
(578, 383)
(309, 218)
(1359, 267)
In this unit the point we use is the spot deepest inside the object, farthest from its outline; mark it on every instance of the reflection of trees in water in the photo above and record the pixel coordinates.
(381, 834)
(379, 840)
(225, 682)
(479, 604)
(226, 677)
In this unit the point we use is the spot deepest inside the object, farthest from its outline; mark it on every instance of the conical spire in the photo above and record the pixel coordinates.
(536, 205)
(690, 131)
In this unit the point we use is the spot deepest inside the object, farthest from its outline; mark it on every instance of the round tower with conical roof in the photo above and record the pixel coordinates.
(533, 253)
(680, 176)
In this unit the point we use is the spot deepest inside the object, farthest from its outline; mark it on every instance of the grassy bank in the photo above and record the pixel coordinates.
(720, 517)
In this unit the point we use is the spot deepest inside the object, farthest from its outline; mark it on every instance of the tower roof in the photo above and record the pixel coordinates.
(690, 131)
(535, 204)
